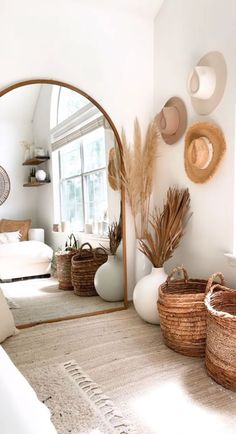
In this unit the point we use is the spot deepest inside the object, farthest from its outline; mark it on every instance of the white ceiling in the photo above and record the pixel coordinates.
(147, 8)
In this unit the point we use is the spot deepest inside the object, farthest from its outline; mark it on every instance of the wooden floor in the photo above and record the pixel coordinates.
(158, 390)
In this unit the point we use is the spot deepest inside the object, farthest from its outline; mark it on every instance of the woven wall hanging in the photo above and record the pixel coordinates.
(5, 185)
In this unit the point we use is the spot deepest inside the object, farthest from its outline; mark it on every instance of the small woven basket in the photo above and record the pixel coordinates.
(84, 266)
(183, 314)
(63, 264)
(221, 335)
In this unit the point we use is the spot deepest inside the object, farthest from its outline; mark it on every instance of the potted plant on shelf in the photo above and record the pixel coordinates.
(71, 243)
(109, 278)
(137, 175)
(161, 238)
(32, 175)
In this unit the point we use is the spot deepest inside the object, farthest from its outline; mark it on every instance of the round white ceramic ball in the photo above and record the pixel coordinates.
(40, 175)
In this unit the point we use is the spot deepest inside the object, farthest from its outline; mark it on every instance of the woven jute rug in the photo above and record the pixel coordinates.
(37, 300)
(158, 390)
(78, 405)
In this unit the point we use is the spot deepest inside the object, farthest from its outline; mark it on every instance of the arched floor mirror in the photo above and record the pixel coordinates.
(62, 226)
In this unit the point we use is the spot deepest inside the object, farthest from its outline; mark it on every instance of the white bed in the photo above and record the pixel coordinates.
(20, 410)
(24, 259)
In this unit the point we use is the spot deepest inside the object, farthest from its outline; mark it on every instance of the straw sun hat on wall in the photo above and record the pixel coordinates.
(204, 148)
(207, 81)
(172, 120)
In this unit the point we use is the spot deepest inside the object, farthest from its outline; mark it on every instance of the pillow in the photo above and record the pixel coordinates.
(16, 225)
(10, 237)
(7, 325)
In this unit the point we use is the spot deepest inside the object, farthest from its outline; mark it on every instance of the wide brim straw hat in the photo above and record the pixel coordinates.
(172, 120)
(207, 81)
(204, 148)
(113, 170)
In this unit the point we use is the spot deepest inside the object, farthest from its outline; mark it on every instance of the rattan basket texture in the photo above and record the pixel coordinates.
(221, 335)
(84, 266)
(63, 264)
(183, 313)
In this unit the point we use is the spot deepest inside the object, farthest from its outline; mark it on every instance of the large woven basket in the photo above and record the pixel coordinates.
(183, 314)
(63, 263)
(221, 335)
(84, 266)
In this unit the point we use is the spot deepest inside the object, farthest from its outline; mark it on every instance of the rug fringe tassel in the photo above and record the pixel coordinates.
(99, 399)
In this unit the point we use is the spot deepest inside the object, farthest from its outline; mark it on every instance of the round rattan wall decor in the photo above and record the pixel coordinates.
(5, 185)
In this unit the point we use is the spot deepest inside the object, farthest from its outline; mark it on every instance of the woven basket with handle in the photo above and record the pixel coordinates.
(183, 313)
(84, 266)
(220, 358)
(63, 264)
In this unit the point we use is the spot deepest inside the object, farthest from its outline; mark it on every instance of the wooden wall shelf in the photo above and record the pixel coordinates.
(35, 161)
(35, 184)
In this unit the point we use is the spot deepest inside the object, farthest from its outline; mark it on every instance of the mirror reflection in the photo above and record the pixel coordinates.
(61, 226)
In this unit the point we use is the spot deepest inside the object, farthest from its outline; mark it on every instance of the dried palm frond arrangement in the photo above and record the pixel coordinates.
(166, 227)
(137, 173)
(115, 237)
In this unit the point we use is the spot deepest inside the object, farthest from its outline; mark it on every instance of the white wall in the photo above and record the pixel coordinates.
(184, 31)
(16, 126)
(106, 52)
(41, 132)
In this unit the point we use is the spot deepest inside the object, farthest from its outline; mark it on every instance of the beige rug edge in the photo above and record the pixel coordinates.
(78, 405)
(93, 392)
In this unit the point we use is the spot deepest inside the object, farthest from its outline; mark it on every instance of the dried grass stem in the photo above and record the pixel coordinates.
(137, 173)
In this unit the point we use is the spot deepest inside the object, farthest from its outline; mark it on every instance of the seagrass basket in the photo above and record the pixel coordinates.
(84, 266)
(221, 335)
(63, 265)
(183, 313)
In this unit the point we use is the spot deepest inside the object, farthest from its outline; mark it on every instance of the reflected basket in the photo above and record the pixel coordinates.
(84, 266)
(63, 266)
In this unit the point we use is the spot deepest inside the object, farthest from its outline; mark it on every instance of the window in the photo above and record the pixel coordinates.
(82, 183)
(79, 148)
(69, 102)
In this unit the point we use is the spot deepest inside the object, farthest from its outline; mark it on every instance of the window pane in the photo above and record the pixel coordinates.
(72, 202)
(70, 160)
(69, 102)
(95, 196)
(94, 150)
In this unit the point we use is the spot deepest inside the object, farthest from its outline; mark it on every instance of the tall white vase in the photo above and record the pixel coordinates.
(145, 295)
(142, 264)
(109, 279)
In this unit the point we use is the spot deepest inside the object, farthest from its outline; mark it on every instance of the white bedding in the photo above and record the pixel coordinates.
(20, 410)
(25, 258)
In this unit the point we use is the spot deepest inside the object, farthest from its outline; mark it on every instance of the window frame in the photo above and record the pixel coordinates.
(82, 176)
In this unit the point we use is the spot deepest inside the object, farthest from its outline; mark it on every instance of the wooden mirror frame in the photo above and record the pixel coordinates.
(118, 140)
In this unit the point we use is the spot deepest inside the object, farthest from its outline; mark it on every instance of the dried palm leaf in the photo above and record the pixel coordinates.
(115, 237)
(166, 227)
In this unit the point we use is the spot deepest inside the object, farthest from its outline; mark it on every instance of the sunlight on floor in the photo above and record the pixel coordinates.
(32, 288)
(167, 409)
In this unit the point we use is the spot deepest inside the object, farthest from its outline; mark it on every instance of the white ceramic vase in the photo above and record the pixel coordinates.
(109, 279)
(142, 264)
(119, 252)
(145, 295)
